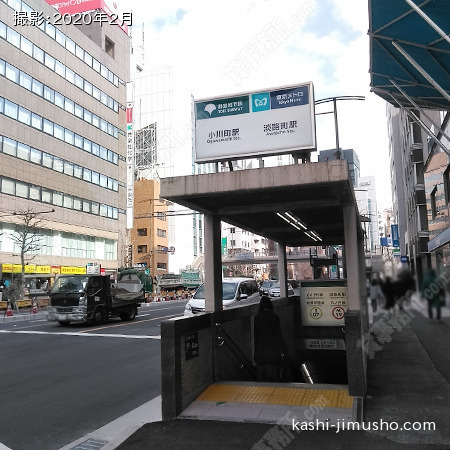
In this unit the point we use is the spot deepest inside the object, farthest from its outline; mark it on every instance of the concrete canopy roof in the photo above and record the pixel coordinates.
(315, 193)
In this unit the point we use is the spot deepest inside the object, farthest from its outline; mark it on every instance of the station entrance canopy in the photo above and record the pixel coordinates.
(298, 205)
(410, 52)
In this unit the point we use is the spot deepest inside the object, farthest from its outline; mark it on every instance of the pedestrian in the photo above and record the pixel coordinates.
(389, 294)
(270, 348)
(375, 294)
(434, 294)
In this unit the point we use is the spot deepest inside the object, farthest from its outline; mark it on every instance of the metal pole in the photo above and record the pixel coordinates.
(419, 68)
(428, 20)
(336, 129)
(422, 125)
(421, 110)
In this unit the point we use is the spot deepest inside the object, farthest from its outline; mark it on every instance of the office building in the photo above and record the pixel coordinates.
(149, 236)
(62, 138)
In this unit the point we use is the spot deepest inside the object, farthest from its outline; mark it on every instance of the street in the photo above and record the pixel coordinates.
(60, 383)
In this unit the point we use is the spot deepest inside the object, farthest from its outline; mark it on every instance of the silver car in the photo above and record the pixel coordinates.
(274, 291)
(235, 292)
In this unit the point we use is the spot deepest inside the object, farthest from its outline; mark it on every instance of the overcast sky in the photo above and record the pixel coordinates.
(220, 48)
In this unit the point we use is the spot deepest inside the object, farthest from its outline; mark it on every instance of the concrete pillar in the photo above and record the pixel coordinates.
(213, 263)
(352, 258)
(282, 268)
(357, 304)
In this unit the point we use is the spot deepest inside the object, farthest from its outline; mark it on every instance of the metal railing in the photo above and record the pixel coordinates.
(224, 338)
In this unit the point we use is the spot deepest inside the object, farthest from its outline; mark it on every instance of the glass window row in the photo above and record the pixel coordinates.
(61, 243)
(16, 112)
(22, 43)
(41, 194)
(63, 40)
(35, 156)
(31, 84)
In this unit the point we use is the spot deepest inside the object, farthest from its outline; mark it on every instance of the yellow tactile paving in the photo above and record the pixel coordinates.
(295, 396)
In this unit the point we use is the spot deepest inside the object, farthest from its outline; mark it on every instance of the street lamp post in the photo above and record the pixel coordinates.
(336, 128)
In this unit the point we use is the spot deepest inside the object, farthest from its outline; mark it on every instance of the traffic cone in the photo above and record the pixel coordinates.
(9, 311)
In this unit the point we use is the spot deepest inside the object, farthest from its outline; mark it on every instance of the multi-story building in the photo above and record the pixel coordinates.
(418, 165)
(396, 155)
(437, 187)
(149, 236)
(366, 199)
(62, 137)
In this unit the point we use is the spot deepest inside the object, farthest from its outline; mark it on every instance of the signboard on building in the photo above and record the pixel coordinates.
(93, 268)
(111, 17)
(130, 166)
(191, 278)
(395, 237)
(253, 124)
(322, 303)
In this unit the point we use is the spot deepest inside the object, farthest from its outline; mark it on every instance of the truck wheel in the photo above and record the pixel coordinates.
(97, 318)
(129, 314)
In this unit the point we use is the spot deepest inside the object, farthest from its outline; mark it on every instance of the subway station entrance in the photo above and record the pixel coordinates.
(207, 360)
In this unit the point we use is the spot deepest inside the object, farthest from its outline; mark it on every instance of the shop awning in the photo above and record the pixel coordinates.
(410, 52)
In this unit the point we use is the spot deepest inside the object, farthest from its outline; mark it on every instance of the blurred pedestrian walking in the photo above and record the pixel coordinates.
(433, 292)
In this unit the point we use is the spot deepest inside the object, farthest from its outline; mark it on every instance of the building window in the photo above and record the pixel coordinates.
(142, 231)
(447, 185)
(161, 266)
(142, 249)
(109, 47)
(433, 203)
(161, 233)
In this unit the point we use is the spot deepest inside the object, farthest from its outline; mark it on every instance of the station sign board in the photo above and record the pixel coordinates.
(323, 304)
(255, 124)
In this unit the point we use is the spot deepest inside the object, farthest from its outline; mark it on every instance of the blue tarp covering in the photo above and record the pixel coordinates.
(395, 21)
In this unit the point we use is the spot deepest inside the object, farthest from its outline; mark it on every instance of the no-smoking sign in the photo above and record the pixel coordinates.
(338, 312)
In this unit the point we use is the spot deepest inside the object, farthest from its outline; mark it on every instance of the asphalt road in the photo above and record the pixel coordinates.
(61, 383)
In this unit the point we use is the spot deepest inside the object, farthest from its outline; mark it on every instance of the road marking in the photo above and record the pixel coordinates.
(68, 333)
(104, 327)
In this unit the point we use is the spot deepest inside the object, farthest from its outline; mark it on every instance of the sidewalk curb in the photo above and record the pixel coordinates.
(117, 431)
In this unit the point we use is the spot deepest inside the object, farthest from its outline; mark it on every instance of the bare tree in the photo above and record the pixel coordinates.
(27, 237)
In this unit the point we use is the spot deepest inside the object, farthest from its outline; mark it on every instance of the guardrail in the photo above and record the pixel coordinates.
(26, 303)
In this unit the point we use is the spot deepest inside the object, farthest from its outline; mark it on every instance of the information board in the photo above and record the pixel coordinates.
(323, 303)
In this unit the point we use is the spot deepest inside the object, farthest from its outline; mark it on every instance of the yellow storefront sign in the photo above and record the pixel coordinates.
(30, 269)
(73, 270)
(7, 268)
(42, 269)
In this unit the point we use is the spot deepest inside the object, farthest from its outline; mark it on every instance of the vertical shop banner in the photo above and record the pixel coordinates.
(130, 166)
(395, 237)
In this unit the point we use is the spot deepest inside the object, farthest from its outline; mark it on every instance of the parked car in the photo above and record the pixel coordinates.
(274, 291)
(265, 286)
(235, 292)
